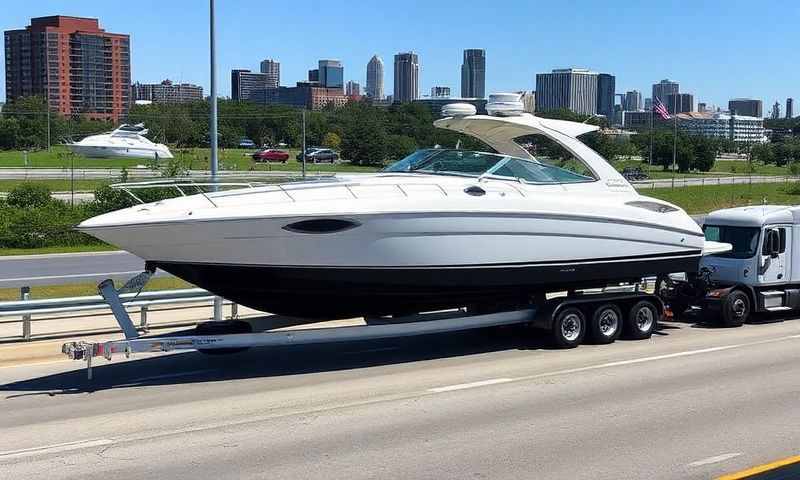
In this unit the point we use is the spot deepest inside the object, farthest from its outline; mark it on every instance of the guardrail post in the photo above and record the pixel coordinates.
(143, 319)
(25, 295)
(217, 309)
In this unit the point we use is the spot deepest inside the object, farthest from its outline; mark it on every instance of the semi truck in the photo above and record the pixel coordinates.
(760, 274)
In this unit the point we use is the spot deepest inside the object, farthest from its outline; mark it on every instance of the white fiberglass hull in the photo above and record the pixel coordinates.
(97, 151)
(380, 262)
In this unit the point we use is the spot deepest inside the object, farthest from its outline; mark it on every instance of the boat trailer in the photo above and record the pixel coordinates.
(567, 318)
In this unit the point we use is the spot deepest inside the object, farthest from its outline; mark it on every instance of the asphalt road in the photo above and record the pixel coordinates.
(63, 268)
(693, 402)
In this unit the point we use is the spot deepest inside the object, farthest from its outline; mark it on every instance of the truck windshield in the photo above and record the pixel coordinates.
(743, 239)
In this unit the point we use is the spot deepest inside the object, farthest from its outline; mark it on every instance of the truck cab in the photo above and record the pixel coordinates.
(763, 264)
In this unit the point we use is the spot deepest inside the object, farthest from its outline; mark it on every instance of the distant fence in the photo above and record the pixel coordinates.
(711, 180)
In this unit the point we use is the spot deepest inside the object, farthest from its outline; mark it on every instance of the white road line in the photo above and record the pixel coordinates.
(56, 448)
(170, 375)
(463, 386)
(76, 275)
(715, 459)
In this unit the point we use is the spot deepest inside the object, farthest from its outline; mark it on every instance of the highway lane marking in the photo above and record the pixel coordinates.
(55, 448)
(761, 468)
(464, 386)
(75, 275)
(715, 459)
(170, 375)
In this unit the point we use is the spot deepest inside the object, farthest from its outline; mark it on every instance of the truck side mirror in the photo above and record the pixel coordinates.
(774, 243)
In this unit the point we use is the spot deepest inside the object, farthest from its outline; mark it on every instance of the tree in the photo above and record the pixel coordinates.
(332, 140)
(705, 153)
(399, 146)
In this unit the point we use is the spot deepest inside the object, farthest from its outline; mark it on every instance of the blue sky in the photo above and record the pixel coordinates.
(715, 49)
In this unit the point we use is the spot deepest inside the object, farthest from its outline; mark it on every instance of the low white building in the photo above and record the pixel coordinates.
(738, 128)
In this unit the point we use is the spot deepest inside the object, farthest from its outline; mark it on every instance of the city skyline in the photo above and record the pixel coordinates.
(709, 72)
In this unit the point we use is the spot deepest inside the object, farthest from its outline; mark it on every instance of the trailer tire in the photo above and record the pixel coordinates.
(735, 309)
(569, 328)
(606, 324)
(642, 320)
(224, 327)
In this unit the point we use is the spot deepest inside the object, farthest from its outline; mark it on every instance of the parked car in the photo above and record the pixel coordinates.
(319, 155)
(271, 155)
(246, 143)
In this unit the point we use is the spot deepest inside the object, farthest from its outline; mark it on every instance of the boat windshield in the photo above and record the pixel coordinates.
(478, 164)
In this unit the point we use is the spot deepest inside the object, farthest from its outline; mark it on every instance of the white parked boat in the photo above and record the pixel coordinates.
(441, 228)
(127, 141)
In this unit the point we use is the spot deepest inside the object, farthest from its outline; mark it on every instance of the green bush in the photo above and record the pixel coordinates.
(44, 226)
(29, 195)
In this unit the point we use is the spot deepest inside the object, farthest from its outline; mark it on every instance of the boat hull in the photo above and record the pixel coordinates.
(92, 151)
(335, 292)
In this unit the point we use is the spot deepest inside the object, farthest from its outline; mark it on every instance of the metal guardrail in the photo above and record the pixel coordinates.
(60, 308)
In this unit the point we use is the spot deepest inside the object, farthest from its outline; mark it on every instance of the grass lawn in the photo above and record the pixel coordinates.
(703, 199)
(81, 289)
(721, 168)
(102, 247)
(57, 185)
(193, 158)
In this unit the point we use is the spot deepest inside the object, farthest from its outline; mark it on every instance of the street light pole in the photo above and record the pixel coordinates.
(213, 98)
(213, 132)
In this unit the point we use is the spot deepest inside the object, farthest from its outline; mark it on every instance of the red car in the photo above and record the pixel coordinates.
(271, 155)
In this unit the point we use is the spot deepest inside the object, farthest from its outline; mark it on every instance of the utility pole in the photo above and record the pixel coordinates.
(213, 132)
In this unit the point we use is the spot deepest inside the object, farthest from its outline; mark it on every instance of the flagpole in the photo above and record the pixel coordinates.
(674, 145)
(652, 109)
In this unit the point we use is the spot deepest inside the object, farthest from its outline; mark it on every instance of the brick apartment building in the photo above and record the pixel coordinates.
(78, 67)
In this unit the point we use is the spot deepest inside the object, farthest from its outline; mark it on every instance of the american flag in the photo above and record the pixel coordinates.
(660, 109)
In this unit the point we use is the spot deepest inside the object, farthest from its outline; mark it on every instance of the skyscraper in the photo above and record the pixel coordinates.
(664, 88)
(375, 78)
(437, 92)
(272, 70)
(249, 86)
(633, 101)
(570, 88)
(406, 77)
(606, 85)
(679, 102)
(353, 89)
(331, 74)
(473, 73)
(746, 106)
(789, 107)
(776, 110)
(77, 66)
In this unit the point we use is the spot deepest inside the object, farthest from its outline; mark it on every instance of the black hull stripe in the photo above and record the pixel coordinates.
(635, 258)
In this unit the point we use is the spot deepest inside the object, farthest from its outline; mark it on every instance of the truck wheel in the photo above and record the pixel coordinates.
(735, 309)
(569, 327)
(642, 320)
(224, 327)
(606, 324)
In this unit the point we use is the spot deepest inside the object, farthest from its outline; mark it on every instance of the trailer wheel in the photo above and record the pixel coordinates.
(224, 327)
(569, 327)
(735, 309)
(642, 320)
(606, 324)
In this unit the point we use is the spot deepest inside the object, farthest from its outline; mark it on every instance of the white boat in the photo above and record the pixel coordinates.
(127, 141)
(441, 228)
